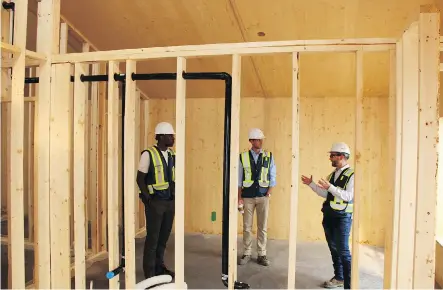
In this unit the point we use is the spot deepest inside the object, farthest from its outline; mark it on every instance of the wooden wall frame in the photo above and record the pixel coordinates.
(414, 121)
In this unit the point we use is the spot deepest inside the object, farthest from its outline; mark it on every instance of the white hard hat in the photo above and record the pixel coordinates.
(340, 147)
(256, 133)
(164, 128)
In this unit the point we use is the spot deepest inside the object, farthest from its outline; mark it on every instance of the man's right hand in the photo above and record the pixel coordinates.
(306, 180)
(144, 197)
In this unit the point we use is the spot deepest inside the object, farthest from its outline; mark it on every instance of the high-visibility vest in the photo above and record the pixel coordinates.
(161, 176)
(255, 173)
(334, 202)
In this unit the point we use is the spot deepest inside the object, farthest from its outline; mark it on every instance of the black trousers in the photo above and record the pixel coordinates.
(159, 219)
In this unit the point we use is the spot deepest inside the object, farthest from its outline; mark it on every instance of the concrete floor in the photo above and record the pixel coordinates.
(203, 265)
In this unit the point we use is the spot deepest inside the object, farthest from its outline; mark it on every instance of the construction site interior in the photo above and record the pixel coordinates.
(308, 73)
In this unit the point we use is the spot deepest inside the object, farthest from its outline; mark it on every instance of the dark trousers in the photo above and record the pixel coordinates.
(337, 230)
(159, 219)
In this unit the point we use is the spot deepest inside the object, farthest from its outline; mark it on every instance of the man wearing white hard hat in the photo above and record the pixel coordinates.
(257, 177)
(338, 190)
(156, 181)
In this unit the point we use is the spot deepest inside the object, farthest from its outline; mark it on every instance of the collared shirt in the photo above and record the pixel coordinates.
(272, 169)
(346, 195)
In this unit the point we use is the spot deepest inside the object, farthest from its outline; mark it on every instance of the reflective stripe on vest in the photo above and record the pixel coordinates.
(159, 176)
(337, 203)
(247, 178)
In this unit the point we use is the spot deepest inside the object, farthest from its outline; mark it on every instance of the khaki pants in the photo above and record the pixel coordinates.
(261, 204)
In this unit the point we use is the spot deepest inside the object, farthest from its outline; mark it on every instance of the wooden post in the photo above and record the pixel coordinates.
(113, 174)
(293, 225)
(16, 200)
(130, 176)
(233, 188)
(408, 184)
(358, 176)
(6, 131)
(93, 164)
(60, 175)
(395, 124)
(101, 164)
(180, 174)
(428, 117)
(80, 131)
(47, 43)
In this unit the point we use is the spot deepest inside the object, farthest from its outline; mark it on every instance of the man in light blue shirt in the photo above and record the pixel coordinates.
(257, 177)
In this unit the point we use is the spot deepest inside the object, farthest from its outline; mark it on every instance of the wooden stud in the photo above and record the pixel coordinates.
(358, 168)
(406, 232)
(60, 175)
(137, 156)
(85, 48)
(113, 173)
(31, 155)
(439, 213)
(101, 163)
(395, 124)
(428, 117)
(293, 221)
(233, 187)
(16, 201)
(180, 173)
(5, 118)
(130, 176)
(80, 130)
(93, 162)
(48, 44)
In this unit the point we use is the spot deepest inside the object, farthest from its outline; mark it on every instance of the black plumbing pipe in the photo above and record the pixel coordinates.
(226, 153)
(10, 6)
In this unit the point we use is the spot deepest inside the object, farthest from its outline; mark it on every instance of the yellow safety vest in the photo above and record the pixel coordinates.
(159, 181)
(264, 172)
(335, 202)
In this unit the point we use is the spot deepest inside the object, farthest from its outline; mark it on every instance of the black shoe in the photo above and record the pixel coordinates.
(164, 271)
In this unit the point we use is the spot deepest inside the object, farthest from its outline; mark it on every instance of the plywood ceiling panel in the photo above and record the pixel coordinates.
(113, 24)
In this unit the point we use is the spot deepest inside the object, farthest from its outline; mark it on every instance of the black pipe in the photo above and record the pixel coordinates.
(226, 152)
(10, 6)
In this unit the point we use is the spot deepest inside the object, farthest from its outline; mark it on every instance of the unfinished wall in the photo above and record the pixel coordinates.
(323, 120)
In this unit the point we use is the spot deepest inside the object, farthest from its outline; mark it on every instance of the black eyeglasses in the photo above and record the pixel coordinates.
(334, 154)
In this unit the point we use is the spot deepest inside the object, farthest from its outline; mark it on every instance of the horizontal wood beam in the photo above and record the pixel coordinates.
(26, 99)
(341, 45)
(28, 62)
(28, 244)
(35, 55)
(10, 47)
(32, 58)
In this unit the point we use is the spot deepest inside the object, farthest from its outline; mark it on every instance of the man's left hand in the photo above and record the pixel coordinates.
(324, 184)
(268, 194)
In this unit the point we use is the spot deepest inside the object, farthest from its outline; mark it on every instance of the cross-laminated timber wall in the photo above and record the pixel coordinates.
(415, 56)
